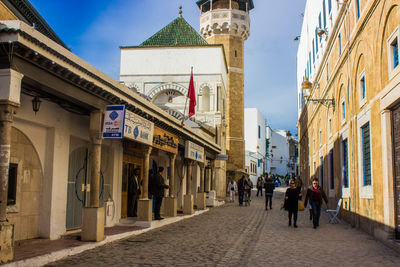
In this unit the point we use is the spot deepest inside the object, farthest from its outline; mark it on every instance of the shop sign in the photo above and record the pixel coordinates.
(138, 128)
(194, 151)
(113, 126)
(222, 157)
(165, 141)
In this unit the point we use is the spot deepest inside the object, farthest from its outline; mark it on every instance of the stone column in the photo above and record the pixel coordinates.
(7, 111)
(202, 167)
(212, 176)
(188, 199)
(172, 158)
(145, 204)
(10, 92)
(93, 216)
(171, 204)
(201, 196)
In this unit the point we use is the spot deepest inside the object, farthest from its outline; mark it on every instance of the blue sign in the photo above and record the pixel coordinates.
(113, 126)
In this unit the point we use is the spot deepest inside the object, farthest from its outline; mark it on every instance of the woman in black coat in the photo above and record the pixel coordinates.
(291, 202)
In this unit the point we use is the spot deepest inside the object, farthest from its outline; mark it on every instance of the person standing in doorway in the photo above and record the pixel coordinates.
(158, 191)
(292, 199)
(269, 187)
(232, 188)
(241, 185)
(315, 194)
(260, 184)
(134, 192)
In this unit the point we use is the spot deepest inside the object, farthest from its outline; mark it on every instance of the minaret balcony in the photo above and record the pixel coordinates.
(225, 21)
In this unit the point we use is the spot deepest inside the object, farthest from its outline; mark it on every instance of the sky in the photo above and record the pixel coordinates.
(95, 29)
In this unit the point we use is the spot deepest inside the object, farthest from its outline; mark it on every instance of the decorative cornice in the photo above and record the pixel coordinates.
(225, 21)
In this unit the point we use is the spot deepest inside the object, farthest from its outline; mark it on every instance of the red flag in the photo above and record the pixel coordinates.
(191, 96)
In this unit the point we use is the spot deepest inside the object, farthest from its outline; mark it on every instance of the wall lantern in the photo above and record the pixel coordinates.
(36, 104)
(306, 85)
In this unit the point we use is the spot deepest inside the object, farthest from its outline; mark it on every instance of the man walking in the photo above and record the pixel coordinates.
(315, 194)
(158, 190)
(260, 183)
(269, 191)
(241, 184)
(133, 192)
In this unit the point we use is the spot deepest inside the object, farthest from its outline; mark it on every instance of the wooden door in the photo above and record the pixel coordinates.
(130, 163)
(396, 165)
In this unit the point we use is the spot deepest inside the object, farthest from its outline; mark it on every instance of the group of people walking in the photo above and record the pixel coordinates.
(293, 196)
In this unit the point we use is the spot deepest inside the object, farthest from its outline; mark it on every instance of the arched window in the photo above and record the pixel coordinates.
(205, 99)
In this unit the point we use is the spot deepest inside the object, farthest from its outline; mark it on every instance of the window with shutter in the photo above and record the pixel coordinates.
(366, 151)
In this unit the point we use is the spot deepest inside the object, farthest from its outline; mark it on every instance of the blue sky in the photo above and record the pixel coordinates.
(94, 30)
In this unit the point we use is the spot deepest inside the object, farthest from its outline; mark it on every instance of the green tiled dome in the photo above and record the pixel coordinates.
(177, 33)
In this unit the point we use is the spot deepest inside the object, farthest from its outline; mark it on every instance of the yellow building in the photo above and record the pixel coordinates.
(349, 120)
(227, 22)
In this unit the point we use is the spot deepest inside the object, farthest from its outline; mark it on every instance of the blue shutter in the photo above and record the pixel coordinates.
(358, 8)
(345, 165)
(363, 87)
(322, 171)
(395, 47)
(324, 11)
(366, 150)
(332, 170)
(329, 6)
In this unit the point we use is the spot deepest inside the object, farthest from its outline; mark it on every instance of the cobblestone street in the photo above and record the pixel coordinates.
(243, 236)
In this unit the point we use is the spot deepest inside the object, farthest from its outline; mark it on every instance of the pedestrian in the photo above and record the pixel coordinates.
(133, 192)
(291, 202)
(260, 183)
(269, 187)
(232, 188)
(315, 194)
(241, 189)
(158, 190)
(151, 188)
(248, 187)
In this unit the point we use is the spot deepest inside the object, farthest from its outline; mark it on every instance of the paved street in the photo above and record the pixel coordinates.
(243, 236)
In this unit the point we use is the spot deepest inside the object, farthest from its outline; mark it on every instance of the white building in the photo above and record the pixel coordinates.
(255, 143)
(319, 19)
(282, 155)
(159, 69)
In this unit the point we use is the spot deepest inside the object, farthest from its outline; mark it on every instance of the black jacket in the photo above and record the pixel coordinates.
(291, 203)
(269, 187)
(159, 185)
(310, 195)
(133, 186)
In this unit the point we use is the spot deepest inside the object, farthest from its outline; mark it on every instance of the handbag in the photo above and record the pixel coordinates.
(300, 206)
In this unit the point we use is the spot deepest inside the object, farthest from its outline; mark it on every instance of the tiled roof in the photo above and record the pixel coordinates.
(177, 33)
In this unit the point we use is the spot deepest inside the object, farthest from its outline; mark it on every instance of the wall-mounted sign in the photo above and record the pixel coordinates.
(138, 128)
(222, 157)
(194, 151)
(164, 140)
(113, 126)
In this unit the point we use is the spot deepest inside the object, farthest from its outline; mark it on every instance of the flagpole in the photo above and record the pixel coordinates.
(184, 111)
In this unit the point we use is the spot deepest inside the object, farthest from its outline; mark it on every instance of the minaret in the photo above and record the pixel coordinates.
(227, 22)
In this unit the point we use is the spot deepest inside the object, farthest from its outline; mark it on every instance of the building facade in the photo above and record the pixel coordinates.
(227, 22)
(348, 119)
(255, 142)
(66, 162)
(159, 69)
(282, 158)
